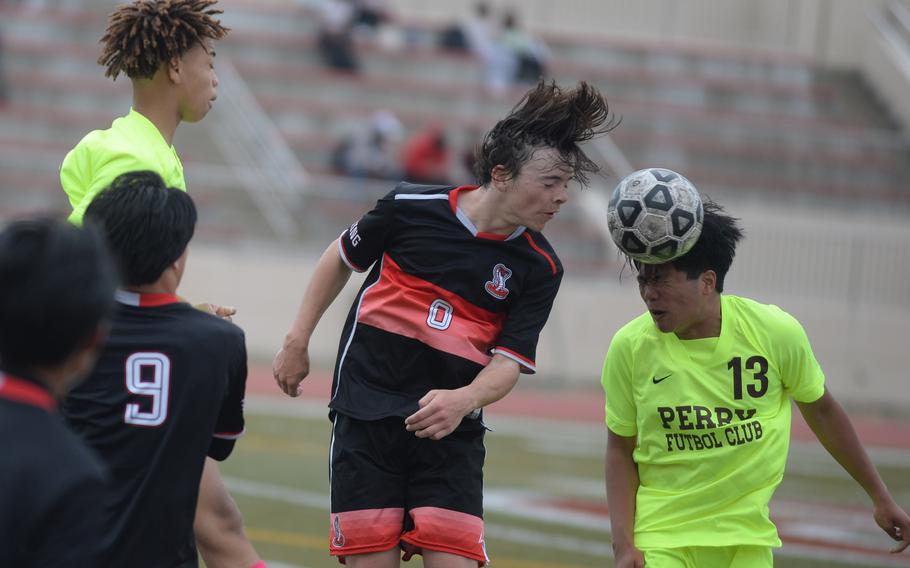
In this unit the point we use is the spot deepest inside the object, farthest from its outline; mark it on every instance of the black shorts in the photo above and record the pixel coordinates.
(391, 488)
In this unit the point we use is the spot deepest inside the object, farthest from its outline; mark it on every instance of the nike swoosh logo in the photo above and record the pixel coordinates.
(655, 380)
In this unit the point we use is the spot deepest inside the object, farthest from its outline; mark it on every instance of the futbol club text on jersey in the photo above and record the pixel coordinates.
(719, 420)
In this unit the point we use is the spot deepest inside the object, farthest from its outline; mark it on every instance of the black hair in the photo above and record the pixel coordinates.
(147, 224)
(714, 249)
(145, 34)
(547, 116)
(57, 286)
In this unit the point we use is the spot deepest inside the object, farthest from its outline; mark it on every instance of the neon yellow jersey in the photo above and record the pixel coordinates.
(712, 421)
(132, 143)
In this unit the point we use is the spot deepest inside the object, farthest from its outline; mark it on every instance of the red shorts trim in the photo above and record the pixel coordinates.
(446, 531)
(367, 530)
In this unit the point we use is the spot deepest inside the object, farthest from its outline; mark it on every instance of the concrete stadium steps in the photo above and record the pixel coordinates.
(644, 85)
(812, 164)
(714, 75)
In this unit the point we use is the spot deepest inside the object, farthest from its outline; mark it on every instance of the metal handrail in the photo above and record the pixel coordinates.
(259, 156)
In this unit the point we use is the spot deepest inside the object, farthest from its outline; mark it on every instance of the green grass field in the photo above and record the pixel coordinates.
(544, 495)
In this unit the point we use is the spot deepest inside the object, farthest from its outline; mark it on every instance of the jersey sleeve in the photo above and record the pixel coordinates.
(521, 330)
(363, 243)
(75, 174)
(616, 378)
(230, 423)
(88, 170)
(800, 372)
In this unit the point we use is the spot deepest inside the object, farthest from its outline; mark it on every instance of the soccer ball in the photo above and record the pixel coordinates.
(655, 215)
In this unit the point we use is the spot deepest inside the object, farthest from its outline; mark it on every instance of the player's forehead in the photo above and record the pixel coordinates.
(648, 272)
(547, 162)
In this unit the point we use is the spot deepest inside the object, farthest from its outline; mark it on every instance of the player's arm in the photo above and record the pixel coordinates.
(833, 429)
(441, 410)
(218, 525)
(622, 487)
(292, 363)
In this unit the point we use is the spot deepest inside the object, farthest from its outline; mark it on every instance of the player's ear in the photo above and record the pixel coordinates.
(708, 281)
(173, 69)
(500, 176)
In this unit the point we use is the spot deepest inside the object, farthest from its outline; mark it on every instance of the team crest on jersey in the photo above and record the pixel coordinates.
(497, 286)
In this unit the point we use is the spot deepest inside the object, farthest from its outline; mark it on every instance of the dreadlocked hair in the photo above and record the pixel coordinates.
(142, 36)
(547, 116)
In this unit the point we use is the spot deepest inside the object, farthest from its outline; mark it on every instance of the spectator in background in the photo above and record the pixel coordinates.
(427, 157)
(530, 53)
(370, 14)
(336, 40)
(371, 151)
(481, 34)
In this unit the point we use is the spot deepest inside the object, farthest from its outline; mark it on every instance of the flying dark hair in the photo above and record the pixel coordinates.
(146, 34)
(546, 116)
(147, 224)
(57, 286)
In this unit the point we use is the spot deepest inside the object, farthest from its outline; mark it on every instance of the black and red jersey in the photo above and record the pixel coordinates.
(166, 392)
(50, 483)
(440, 300)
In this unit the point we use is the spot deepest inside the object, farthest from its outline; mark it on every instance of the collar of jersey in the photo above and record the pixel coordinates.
(469, 225)
(145, 300)
(27, 392)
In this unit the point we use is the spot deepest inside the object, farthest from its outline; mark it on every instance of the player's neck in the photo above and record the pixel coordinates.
(481, 207)
(158, 110)
(167, 284)
(707, 326)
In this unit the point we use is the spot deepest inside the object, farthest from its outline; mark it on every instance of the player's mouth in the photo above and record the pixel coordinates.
(656, 314)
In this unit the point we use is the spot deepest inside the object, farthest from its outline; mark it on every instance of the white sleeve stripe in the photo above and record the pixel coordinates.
(515, 358)
(228, 435)
(344, 257)
(421, 196)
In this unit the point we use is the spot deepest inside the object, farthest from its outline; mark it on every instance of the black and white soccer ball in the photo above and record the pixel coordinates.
(655, 215)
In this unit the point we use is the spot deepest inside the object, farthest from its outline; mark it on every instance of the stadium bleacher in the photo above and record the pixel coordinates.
(734, 120)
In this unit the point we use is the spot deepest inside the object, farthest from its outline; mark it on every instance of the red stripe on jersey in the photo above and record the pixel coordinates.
(18, 390)
(366, 530)
(229, 435)
(541, 251)
(413, 307)
(152, 300)
(519, 358)
(447, 531)
(145, 300)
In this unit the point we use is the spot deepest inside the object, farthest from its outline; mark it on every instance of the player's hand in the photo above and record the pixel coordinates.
(440, 413)
(895, 522)
(290, 367)
(224, 312)
(629, 557)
